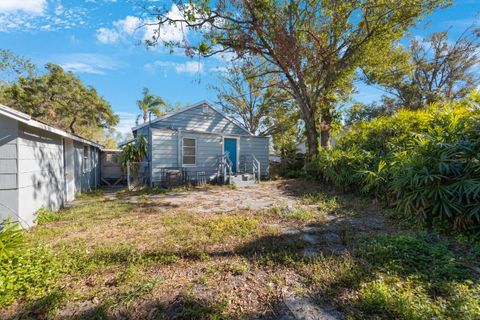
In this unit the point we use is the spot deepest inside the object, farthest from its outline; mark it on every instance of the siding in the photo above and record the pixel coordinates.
(8, 169)
(195, 119)
(40, 169)
(165, 150)
(209, 147)
(86, 175)
(258, 146)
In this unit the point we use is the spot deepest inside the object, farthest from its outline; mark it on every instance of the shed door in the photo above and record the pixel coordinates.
(230, 146)
(69, 169)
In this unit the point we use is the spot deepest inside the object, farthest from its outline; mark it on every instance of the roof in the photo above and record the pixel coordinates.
(195, 105)
(28, 120)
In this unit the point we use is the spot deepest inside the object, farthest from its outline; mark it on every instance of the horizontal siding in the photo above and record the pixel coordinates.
(8, 181)
(8, 166)
(8, 161)
(41, 178)
(9, 204)
(196, 120)
(258, 146)
(164, 152)
(8, 150)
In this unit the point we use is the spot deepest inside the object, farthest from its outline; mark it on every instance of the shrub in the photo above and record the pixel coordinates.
(23, 269)
(425, 163)
(390, 297)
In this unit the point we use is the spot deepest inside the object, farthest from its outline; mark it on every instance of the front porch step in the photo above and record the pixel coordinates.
(242, 180)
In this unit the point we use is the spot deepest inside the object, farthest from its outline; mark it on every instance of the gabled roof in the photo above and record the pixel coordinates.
(28, 120)
(195, 105)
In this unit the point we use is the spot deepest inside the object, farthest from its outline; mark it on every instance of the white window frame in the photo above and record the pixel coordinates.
(238, 148)
(196, 152)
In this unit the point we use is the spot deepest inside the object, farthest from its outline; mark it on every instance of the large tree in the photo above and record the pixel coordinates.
(13, 66)
(60, 99)
(252, 96)
(150, 103)
(314, 46)
(431, 70)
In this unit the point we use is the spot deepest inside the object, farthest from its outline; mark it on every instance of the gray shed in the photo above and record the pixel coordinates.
(196, 139)
(41, 166)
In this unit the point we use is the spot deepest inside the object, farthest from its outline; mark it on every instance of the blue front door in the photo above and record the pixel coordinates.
(230, 146)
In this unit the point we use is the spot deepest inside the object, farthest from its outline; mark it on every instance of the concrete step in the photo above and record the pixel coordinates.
(243, 180)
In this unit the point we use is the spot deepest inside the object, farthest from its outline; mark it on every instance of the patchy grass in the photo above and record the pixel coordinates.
(123, 259)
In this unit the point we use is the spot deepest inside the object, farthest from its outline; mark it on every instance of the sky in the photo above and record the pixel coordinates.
(101, 42)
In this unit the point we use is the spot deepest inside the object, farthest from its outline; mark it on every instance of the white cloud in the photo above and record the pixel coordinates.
(134, 28)
(122, 29)
(34, 15)
(105, 35)
(128, 25)
(35, 7)
(87, 63)
(186, 67)
(127, 122)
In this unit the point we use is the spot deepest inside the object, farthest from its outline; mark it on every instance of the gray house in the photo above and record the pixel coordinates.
(41, 166)
(202, 142)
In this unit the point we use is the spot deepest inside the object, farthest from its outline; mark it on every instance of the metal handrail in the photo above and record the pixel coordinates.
(256, 167)
(224, 165)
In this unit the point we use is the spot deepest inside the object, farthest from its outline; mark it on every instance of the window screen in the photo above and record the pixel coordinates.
(189, 151)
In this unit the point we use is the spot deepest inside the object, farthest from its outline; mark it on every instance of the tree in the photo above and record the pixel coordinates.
(367, 112)
(60, 99)
(250, 96)
(436, 70)
(150, 103)
(13, 66)
(314, 46)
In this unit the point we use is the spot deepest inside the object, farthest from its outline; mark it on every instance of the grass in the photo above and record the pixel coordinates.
(112, 258)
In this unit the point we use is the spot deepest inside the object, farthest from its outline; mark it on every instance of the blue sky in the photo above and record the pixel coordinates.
(99, 40)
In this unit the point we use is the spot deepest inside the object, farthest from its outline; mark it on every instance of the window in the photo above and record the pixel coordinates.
(189, 151)
(85, 159)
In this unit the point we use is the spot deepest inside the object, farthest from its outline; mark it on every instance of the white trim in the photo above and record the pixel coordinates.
(238, 149)
(198, 104)
(28, 120)
(196, 153)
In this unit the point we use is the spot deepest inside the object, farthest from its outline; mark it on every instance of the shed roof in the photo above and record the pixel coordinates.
(28, 120)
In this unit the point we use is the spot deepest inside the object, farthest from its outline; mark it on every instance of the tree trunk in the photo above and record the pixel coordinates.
(325, 138)
(311, 130)
(145, 117)
(312, 138)
(72, 129)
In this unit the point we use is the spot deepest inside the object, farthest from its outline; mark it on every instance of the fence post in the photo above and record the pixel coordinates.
(128, 175)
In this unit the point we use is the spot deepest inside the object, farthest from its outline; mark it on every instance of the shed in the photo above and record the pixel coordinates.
(41, 166)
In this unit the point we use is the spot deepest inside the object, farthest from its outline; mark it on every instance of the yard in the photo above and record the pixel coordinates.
(283, 249)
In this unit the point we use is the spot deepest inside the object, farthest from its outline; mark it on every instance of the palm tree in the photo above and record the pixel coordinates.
(150, 103)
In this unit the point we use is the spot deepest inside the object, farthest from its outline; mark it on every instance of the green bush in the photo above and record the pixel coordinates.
(425, 163)
(390, 297)
(24, 270)
(414, 276)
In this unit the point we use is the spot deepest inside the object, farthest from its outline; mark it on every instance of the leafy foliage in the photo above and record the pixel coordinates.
(255, 99)
(60, 99)
(430, 70)
(415, 276)
(135, 151)
(150, 103)
(23, 269)
(315, 47)
(426, 162)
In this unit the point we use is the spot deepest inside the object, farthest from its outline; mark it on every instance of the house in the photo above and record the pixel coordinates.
(41, 166)
(202, 143)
